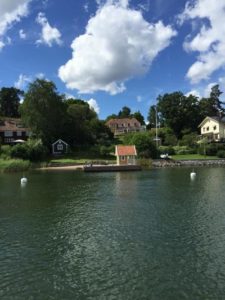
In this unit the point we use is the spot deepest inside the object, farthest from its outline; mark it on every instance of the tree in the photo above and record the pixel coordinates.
(10, 102)
(179, 112)
(152, 116)
(43, 111)
(146, 148)
(214, 95)
(125, 112)
(138, 116)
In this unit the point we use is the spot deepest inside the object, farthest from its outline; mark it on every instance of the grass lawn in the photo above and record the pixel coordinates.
(192, 156)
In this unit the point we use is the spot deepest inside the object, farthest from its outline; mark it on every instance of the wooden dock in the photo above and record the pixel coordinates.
(111, 168)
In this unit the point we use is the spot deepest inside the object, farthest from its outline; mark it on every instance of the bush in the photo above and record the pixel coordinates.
(184, 150)
(5, 151)
(221, 154)
(146, 148)
(211, 149)
(32, 150)
(166, 149)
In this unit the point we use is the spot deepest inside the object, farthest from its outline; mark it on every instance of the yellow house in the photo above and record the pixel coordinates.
(125, 155)
(213, 128)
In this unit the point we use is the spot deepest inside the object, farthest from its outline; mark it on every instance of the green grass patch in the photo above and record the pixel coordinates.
(14, 165)
(192, 157)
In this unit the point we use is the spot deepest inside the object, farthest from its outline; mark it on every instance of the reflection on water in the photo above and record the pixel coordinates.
(136, 235)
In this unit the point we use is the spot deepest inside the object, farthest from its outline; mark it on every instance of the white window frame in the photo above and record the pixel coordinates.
(8, 133)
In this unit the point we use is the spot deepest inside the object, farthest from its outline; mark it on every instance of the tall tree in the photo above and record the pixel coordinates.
(10, 102)
(179, 112)
(137, 115)
(125, 112)
(44, 111)
(218, 104)
(152, 116)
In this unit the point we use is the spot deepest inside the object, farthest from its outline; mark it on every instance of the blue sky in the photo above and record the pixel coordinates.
(113, 53)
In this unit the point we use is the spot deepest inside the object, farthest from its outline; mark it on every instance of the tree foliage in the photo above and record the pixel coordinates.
(43, 111)
(145, 146)
(10, 102)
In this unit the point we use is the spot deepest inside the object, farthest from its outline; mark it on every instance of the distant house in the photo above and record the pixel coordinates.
(213, 128)
(125, 125)
(125, 155)
(12, 131)
(59, 147)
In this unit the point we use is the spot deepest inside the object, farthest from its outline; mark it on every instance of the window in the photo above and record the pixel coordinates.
(59, 147)
(122, 157)
(214, 128)
(9, 140)
(8, 133)
(19, 133)
(207, 128)
(203, 129)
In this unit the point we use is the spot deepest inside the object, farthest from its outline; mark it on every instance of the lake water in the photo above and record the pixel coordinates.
(138, 235)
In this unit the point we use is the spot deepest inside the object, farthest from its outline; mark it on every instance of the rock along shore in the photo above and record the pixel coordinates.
(160, 163)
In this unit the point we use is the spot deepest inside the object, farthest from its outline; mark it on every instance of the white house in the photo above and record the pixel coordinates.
(213, 128)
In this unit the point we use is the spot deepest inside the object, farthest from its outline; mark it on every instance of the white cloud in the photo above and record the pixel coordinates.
(193, 93)
(11, 11)
(139, 99)
(22, 34)
(210, 41)
(49, 35)
(22, 81)
(94, 105)
(118, 44)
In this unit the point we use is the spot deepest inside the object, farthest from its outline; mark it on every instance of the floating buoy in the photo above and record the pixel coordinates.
(192, 175)
(23, 181)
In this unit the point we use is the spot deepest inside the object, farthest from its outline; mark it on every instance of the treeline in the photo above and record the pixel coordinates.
(183, 114)
(51, 116)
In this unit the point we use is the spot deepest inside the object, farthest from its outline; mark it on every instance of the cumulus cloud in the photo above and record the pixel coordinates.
(22, 34)
(210, 40)
(22, 81)
(94, 105)
(118, 44)
(49, 35)
(195, 93)
(11, 11)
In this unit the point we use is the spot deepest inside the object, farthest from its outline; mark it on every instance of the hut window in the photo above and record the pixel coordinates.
(214, 128)
(207, 128)
(122, 157)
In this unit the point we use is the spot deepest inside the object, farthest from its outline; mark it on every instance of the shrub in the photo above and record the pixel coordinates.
(32, 150)
(5, 151)
(166, 149)
(146, 148)
(221, 154)
(184, 150)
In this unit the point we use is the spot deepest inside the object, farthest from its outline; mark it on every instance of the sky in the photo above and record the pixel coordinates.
(114, 53)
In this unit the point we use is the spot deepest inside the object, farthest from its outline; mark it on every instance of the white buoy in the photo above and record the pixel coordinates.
(192, 175)
(23, 181)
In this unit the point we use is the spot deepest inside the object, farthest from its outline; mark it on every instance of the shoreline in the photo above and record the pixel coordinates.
(156, 163)
(162, 163)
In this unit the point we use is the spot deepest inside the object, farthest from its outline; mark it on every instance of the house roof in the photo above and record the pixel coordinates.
(122, 150)
(60, 142)
(215, 118)
(12, 125)
(124, 120)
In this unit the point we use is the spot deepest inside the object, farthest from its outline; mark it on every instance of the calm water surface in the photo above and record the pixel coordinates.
(142, 235)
